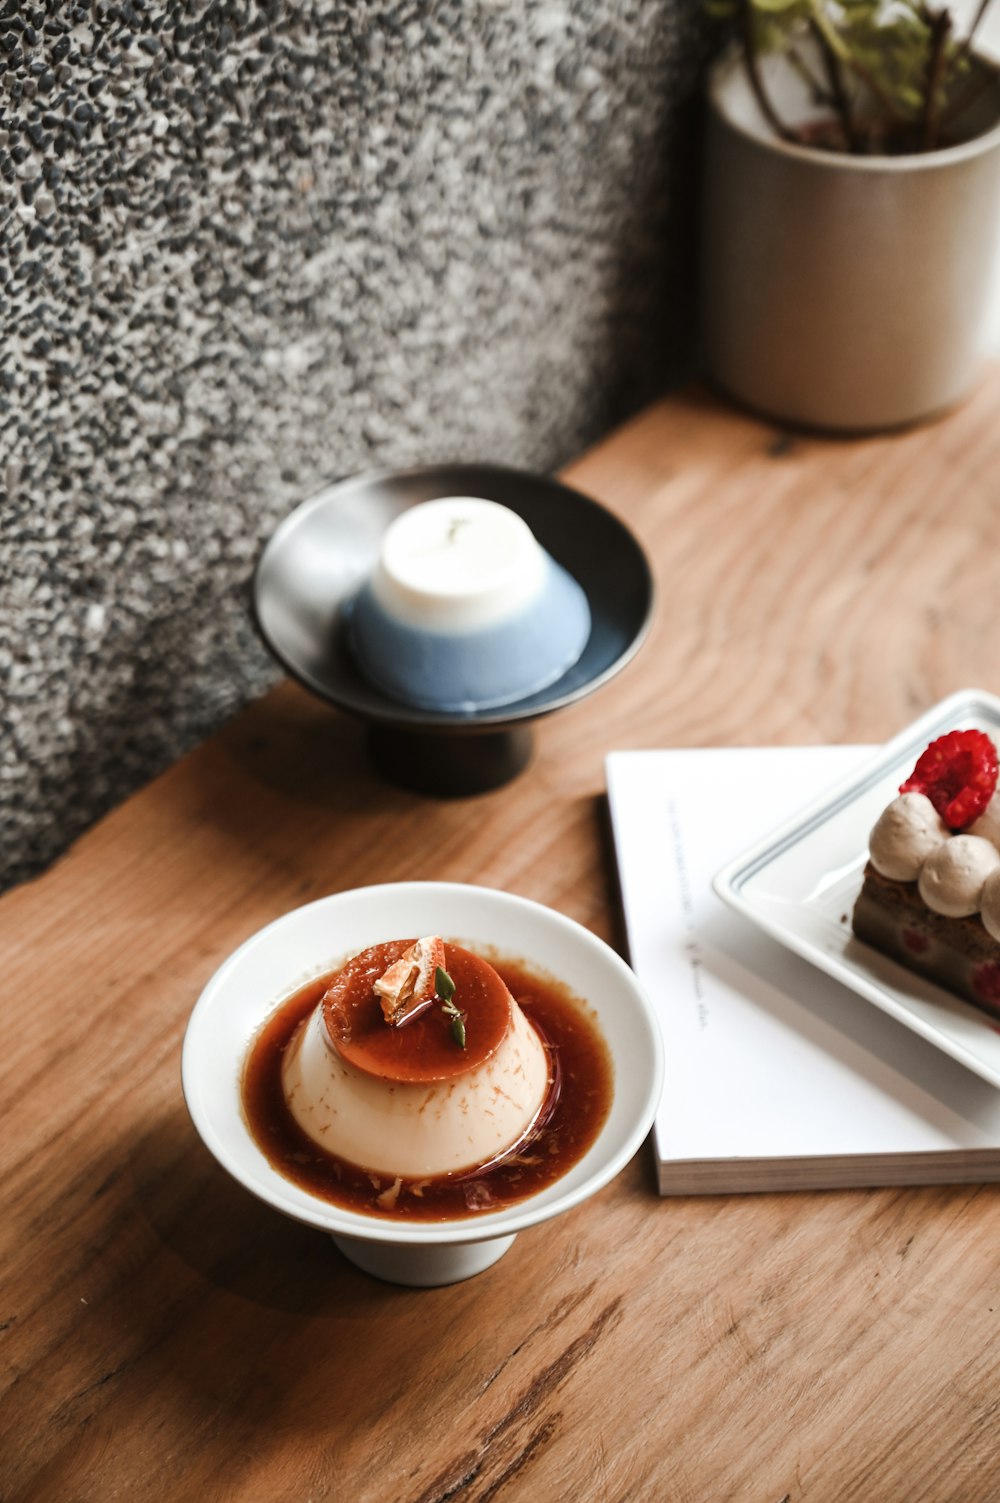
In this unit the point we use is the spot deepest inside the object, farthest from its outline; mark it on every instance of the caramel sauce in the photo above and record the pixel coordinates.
(572, 1115)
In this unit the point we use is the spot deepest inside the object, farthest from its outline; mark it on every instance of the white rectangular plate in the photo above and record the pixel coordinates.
(800, 883)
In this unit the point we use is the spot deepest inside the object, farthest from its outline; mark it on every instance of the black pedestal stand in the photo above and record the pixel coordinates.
(452, 765)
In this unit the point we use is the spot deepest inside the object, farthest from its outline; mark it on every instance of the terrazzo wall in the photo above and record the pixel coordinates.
(248, 247)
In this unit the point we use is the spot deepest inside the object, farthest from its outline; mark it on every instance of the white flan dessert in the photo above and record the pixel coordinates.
(416, 1063)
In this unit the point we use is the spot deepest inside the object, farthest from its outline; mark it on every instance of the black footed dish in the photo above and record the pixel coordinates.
(320, 557)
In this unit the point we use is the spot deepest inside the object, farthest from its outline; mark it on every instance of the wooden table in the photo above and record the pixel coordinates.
(166, 1337)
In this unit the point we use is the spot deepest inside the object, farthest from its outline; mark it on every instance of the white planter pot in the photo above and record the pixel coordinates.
(837, 291)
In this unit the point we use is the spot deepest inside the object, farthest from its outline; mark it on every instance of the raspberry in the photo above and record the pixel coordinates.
(986, 983)
(958, 773)
(915, 941)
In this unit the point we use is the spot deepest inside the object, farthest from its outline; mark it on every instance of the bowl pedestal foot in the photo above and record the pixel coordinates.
(423, 1267)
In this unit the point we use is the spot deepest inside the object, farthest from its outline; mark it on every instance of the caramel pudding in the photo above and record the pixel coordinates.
(409, 1099)
(472, 1101)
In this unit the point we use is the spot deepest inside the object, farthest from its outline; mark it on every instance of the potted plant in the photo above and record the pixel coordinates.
(851, 210)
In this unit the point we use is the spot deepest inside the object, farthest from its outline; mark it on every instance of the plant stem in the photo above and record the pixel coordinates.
(933, 100)
(767, 109)
(965, 46)
(835, 80)
(860, 71)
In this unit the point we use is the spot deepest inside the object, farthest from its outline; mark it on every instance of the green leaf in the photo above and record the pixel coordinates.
(457, 1021)
(443, 984)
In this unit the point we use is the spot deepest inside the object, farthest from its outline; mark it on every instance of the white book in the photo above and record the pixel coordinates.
(777, 1076)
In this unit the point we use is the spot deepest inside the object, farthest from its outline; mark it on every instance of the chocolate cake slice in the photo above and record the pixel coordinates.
(957, 953)
(931, 893)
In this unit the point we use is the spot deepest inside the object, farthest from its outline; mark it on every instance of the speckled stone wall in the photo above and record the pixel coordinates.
(248, 247)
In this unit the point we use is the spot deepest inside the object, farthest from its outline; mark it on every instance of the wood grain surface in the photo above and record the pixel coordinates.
(163, 1336)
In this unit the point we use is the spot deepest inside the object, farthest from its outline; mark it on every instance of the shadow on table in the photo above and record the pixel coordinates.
(304, 751)
(231, 1239)
(234, 1312)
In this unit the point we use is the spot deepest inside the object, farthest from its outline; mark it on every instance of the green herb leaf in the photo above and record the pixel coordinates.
(457, 1022)
(445, 988)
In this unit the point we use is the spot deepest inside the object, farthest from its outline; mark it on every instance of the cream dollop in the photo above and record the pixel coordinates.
(988, 823)
(954, 875)
(989, 905)
(906, 832)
